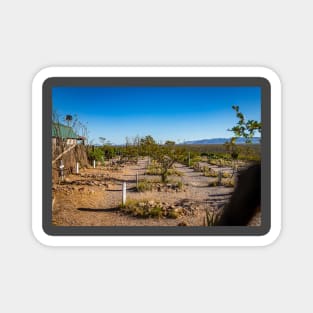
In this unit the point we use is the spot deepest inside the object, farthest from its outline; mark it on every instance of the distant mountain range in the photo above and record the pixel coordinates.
(219, 141)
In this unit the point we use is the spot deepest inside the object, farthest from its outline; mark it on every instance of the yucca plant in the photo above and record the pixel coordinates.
(212, 217)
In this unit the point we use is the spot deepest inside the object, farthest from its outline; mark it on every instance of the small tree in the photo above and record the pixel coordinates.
(166, 155)
(244, 129)
(95, 153)
(169, 143)
(232, 148)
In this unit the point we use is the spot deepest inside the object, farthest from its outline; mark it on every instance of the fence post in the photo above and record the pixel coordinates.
(220, 178)
(94, 163)
(77, 168)
(124, 193)
(137, 180)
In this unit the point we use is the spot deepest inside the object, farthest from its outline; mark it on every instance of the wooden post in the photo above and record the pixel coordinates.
(124, 193)
(220, 178)
(77, 168)
(234, 169)
(94, 163)
(137, 180)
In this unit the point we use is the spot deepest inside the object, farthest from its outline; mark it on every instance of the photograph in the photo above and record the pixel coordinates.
(156, 156)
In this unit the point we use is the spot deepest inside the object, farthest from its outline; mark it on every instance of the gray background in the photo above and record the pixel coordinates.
(36, 34)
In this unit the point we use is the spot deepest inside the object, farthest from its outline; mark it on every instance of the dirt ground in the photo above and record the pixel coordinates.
(93, 197)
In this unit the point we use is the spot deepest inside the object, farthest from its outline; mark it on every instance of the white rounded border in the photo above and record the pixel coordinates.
(276, 148)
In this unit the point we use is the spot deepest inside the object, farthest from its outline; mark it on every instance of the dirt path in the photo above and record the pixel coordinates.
(92, 198)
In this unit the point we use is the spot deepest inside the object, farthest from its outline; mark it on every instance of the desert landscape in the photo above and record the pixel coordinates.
(191, 196)
(124, 167)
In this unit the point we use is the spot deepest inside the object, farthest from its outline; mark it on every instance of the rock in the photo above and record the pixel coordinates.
(177, 210)
(182, 224)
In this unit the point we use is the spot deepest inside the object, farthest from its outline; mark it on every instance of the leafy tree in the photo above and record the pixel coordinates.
(166, 155)
(108, 150)
(148, 145)
(232, 148)
(148, 140)
(169, 143)
(243, 129)
(95, 153)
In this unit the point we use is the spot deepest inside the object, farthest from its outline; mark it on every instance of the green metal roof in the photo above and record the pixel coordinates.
(63, 131)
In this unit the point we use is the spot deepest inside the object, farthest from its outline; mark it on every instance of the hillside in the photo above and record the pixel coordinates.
(255, 140)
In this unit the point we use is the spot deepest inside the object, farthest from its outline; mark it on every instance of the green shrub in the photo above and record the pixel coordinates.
(212, 218)
(229, 183)
(154, 170)
(174, 171)
(144, 185)
(172, 214)
(95, 153)
(150, 209)
(220, 162)
(226, 175)
(208, 172)
(156, 211)
(180, 185)
(142, 209)
(225, 183)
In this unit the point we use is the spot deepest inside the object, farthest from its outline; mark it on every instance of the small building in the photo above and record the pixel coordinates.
(66, 134)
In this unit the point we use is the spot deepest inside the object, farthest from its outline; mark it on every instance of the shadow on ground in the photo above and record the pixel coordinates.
(98, 210)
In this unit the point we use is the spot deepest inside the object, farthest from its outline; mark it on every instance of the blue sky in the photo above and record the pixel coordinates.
(166, 113)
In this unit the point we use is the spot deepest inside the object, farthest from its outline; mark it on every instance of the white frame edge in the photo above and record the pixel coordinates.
(276, 148)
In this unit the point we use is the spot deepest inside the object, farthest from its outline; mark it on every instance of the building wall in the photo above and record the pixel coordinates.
(77, 154)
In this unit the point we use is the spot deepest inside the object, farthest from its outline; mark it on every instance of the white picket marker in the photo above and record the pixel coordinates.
(124, 193)
(62, 170)
(94, 163)
(77, 168)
